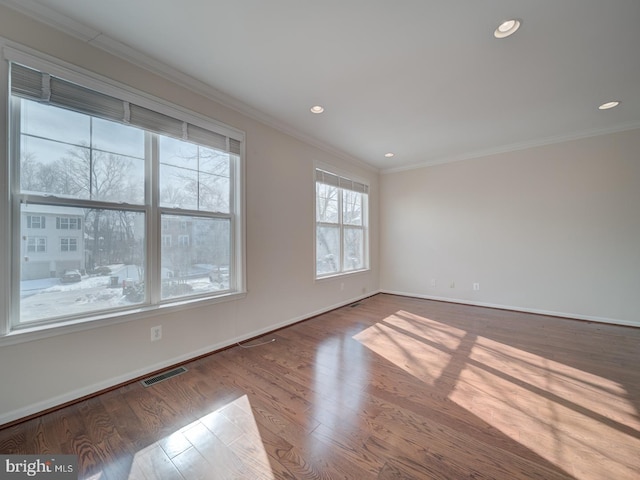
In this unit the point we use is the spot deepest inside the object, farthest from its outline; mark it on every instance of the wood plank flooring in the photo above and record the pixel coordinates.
(392, 388)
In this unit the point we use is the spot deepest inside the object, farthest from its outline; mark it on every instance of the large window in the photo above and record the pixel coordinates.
(143, 201)
(341, 224)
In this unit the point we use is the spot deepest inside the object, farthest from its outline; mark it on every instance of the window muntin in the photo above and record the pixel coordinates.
(341, 226)
(89, 174)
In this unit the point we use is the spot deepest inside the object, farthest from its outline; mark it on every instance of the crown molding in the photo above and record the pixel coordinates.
(118, 49)
(48, 16)
(514, 147)
(157, 67)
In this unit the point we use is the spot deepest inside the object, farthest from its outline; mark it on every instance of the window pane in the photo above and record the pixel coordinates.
(351, 207)
(118, 162)
(50, 167)
(116, 178)
(215, 180)
(58, 156)
(54, 123)
(326, 203)
(178, 187)
(178, 153)
(215, 162)
(214, 193)
(193, 177)
(117, 138)
(353, 249)
(327, 250)
(196, 255)
(80, 269)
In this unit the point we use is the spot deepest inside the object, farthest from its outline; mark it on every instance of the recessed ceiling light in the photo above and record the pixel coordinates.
(317, 109)
(506, 28)
(389, 154)
(608, 105)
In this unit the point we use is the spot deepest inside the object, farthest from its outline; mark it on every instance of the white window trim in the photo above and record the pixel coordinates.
(346, 174)
(9, 214)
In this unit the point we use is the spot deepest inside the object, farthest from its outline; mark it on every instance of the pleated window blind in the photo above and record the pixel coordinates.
(42, 87)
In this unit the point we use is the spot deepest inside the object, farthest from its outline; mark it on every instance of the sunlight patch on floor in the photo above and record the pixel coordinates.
(226, 440)
(581, 422)
(416, 344)
(563, 414)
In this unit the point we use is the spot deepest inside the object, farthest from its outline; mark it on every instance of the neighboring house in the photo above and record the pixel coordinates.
(52, 241)
(187, 242)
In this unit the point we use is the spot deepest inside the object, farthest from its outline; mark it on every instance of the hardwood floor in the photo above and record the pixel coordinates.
(392, 388)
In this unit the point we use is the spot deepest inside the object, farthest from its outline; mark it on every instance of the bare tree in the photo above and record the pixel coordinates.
(327, 211)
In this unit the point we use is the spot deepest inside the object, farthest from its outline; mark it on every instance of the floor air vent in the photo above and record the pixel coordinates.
(163, 376)
(354, 304)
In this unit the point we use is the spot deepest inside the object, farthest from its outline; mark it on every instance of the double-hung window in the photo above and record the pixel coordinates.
(341, 224)
(35, 221)
(36, 244)
(123, 181)
(68, 244)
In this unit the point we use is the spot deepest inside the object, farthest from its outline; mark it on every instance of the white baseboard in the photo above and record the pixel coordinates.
(575, 316)
(35, 408)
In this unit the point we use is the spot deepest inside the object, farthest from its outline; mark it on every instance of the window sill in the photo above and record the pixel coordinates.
(342, 274)
(28, 334)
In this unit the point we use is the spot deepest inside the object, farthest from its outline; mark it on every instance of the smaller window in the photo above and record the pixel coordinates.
(341, 225)
(35, 221)
(36, 244)
(68, 244)
(183, 240)
(166, 239)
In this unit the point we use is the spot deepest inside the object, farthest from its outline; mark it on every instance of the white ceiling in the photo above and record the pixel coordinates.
(423, 79)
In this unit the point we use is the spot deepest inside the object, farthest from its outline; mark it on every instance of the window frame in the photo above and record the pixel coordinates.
(342, 185)
(10, 329)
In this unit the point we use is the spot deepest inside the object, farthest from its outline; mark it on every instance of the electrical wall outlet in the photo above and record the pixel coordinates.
(452, 285)
(476, 286)
(433, 283)
(156, 333)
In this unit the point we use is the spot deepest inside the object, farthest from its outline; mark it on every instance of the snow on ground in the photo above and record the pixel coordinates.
(48, 297)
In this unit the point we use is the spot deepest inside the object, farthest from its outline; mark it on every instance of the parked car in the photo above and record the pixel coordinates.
(70, 276)
(133, 290)
(219, 275)
(102, 270)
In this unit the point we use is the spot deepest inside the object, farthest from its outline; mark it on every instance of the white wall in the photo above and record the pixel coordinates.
(549, 229)
(280, 254)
